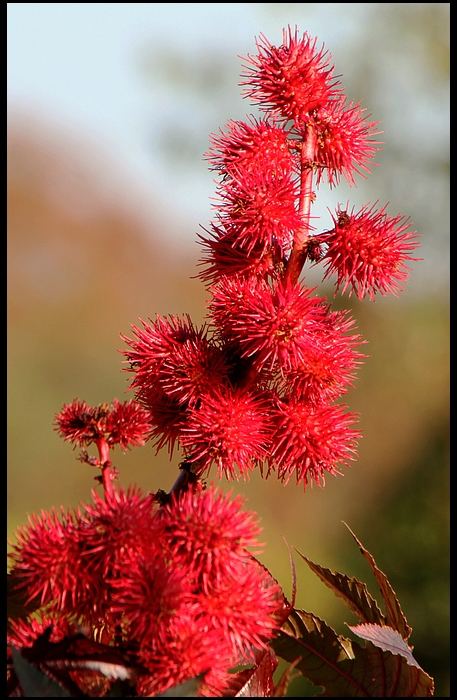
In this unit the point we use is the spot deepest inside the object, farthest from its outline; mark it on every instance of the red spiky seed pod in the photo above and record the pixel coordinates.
(368, 251)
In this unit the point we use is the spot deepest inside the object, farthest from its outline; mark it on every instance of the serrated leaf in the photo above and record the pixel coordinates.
(394, 614)
(293, 573)
(352, 592)
(346, 669)
(312, 645)
(385, 638)
(283, 605)
(382, 674)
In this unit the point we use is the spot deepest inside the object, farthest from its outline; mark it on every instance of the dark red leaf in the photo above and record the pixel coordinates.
(344, 668)
(257, 681)
(97, 665)
(78, 652)
(385, 638)
(294, 574)
(394, 614)
(352, 592)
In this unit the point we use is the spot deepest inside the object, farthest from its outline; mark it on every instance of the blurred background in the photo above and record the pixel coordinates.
(110, 107)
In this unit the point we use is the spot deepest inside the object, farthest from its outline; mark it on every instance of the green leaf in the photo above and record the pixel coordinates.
(352, 592)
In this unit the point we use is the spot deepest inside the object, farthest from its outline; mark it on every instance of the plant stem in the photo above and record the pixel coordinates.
(299, 251)
(105, 463)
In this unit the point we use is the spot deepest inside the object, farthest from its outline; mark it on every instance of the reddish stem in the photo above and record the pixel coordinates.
(188, 475)
(105, 464)
(299, 250)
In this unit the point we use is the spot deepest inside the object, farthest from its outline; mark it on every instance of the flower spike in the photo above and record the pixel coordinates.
(144, 592)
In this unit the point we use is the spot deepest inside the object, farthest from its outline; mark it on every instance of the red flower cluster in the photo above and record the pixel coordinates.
(168, 578)
(267, 342)
(295, 84)
(176, 583)
(368, 250)
(291, 80)
(259, 388)
(121, 424)
(125, 424)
